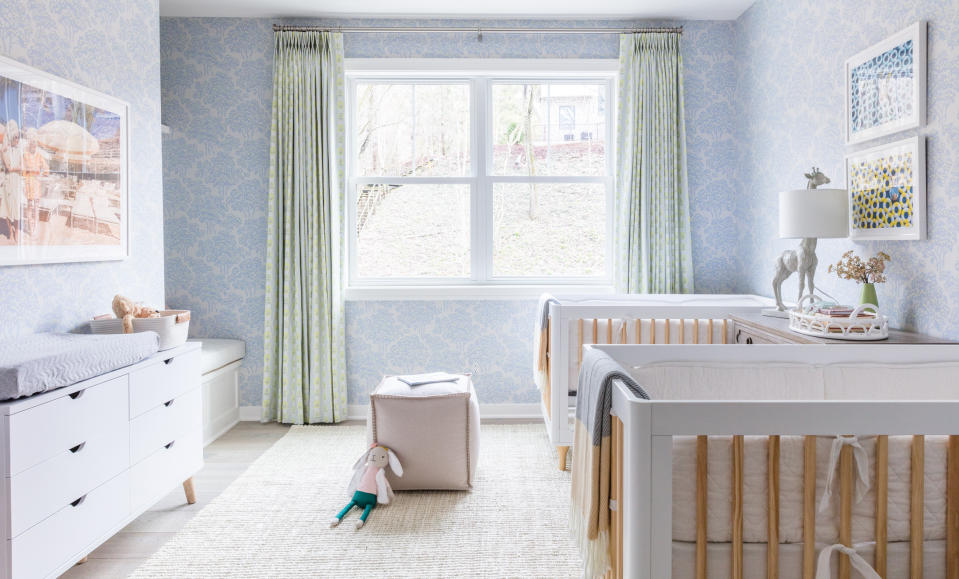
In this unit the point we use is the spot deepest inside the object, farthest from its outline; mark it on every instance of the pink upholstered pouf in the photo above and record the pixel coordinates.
(433, 428)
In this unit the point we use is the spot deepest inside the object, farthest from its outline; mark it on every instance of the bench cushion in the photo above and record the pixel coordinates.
(218, 352)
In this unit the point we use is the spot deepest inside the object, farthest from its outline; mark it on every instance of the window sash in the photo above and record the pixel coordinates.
(481, 180)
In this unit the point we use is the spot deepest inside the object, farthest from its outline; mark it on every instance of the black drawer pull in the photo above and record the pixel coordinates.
(169, 445)
(749, 340)
(77, 502)
(738, 334)
(77, 394)
(78, 447)
(168, 361)
(168, 403)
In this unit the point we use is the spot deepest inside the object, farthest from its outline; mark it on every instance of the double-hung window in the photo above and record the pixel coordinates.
(480, 176)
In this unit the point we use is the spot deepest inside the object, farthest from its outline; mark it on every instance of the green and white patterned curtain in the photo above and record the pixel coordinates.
(653, 252)
(304, 377)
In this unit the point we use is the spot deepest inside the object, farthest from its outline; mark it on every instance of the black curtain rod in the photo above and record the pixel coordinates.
(479, 29)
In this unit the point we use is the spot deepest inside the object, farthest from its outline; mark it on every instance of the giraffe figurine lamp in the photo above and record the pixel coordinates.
(808, 214)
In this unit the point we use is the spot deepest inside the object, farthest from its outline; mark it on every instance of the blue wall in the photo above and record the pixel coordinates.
(789, 56)
(216, 98)
(111, 46)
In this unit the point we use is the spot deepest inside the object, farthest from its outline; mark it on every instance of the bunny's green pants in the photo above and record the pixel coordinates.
(360, 499)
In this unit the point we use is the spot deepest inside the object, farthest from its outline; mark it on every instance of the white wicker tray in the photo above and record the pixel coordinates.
(865, 323)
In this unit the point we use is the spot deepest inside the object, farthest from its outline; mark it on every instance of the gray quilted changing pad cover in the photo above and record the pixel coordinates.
(40, 362)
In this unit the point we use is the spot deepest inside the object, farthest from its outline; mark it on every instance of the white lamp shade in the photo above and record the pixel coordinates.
(814, 213)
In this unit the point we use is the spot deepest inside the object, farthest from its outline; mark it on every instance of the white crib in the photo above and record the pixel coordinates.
(626, 319)
(848, 389)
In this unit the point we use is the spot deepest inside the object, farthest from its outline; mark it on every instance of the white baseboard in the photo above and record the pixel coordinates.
(487, 412)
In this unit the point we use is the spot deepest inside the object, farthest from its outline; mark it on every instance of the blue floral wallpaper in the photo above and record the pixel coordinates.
(216, 99)
(790, 56)
(111, 46)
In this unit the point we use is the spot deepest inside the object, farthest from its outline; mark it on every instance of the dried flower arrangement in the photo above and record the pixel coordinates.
(851, 266)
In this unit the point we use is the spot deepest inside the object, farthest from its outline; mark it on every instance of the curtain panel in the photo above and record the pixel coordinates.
(653, 251)
(304, 374)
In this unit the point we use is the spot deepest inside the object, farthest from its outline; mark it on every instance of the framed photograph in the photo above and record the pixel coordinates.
(886, 86)
(887, 191)
(64, 157)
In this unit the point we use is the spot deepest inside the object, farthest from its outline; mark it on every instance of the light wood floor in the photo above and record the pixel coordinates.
(226, 458)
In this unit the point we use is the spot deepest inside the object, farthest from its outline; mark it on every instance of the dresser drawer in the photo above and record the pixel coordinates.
(47, 430)
(42, 490)
(149, 432)
(159, 383)
(44, 547)
(155, 476)
(746, 335)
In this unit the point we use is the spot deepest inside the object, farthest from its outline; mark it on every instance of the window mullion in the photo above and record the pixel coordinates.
(479, 215)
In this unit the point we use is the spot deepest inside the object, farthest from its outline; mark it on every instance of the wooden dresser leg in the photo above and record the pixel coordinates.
(189, 491)
(562, 451)
(84, 560)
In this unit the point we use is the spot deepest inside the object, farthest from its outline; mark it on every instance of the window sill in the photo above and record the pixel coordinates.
(469, 292)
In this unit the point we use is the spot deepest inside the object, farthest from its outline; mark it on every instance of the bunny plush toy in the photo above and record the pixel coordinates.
(369, 485)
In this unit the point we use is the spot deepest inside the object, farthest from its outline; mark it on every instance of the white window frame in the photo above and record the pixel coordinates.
(480, 75)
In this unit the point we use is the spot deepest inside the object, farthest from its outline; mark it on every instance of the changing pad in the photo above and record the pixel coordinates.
(41, 362)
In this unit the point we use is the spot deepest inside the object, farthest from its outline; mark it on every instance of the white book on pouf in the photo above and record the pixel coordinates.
(430, 378)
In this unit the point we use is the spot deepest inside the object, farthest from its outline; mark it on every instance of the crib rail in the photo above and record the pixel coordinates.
(644, 468)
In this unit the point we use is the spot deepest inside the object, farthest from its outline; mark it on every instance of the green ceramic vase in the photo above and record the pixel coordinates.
(868, 295)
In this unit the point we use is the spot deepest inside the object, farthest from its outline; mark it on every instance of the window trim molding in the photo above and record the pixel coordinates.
(479, 75)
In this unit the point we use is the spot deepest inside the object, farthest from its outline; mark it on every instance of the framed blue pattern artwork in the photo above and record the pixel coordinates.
(887, 191)
(886, 86)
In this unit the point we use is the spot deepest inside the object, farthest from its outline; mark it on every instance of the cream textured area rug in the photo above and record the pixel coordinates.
(273, 520)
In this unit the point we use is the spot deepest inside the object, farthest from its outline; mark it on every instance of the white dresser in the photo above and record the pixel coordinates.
(80, 462)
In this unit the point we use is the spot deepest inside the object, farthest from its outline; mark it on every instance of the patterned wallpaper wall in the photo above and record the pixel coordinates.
(790, 56)
(216, 98)
(111, 46)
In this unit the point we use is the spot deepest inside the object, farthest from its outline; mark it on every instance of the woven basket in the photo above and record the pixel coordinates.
(172, 326)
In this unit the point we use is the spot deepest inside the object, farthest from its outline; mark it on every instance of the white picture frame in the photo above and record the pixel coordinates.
(74, 205)
(879, 202)
(886, 86)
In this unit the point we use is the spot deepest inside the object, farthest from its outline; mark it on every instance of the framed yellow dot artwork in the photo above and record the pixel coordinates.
(887, 191)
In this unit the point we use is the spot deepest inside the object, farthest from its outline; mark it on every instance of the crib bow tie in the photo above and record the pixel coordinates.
(862, 469)
(858, 563)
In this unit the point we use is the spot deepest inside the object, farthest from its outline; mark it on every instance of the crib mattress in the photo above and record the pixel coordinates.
(755, 490)
(790, 560)
(41, 362)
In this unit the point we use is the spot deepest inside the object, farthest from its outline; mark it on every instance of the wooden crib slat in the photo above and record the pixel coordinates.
(609, 331)
(595, 331)
(682, 330)
(622, 332)
(696, 331)
(579, 350)
(916, 505)
(772, 544)
(652, 330)
(668, 323)
(639, 331)
(737, 522)
(725, 325)
(846, 482)
(952, 509)
(702, 475)
(809, 508)
(882, 503)
(710, 330)
(548, 385)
